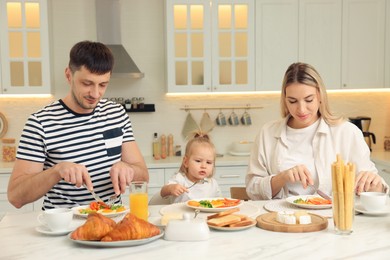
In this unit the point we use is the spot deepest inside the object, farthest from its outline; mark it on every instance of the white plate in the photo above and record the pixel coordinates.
(282, 205)
(45, 230)
(76, 212)
(359, 208)
(246, 208)
(239, 154)
(233, 228)
(123, 243)
(213, 209)
(307, 206)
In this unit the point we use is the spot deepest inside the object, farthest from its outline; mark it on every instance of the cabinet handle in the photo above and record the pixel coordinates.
(230, 176)
(386, 170)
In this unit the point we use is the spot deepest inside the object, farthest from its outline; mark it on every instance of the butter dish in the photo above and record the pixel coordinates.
(187, 229)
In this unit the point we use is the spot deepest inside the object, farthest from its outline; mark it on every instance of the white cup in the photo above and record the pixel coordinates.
(373, 201)
(56, 219)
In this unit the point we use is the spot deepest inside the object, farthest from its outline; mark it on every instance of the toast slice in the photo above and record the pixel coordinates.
(223, 213)
(224, 220)
(242, 223)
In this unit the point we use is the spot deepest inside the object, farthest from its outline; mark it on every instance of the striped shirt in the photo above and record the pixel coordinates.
(56, 134)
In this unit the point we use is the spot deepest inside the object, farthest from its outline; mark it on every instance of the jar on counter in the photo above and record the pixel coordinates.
(9, 149)
(387, 143)
(134, 103)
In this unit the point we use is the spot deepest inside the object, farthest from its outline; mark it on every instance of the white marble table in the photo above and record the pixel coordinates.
(370, 240)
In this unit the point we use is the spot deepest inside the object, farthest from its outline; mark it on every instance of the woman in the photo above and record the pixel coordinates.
(293, 156)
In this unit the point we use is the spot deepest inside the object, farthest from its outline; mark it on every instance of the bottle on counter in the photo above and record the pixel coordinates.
(156, 147)
(170, 145)
(9, 149)
(387, 143)
(163, 146)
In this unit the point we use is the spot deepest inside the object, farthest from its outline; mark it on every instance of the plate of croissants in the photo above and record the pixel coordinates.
(101, 231)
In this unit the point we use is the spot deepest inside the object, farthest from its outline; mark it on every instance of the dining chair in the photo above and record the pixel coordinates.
(239, 193)
(156, 199)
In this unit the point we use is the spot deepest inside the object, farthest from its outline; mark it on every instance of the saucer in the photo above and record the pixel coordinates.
(45, 230)
(386, 210)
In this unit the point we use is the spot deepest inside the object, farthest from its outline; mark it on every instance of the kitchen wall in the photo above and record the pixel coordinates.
(143, 36)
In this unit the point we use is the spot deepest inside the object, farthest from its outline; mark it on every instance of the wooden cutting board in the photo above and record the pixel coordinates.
(268, 222)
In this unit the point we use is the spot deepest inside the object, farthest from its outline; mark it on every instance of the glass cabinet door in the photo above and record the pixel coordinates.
(24, 47)
(189, 45)
(210, 45)
(233, 46)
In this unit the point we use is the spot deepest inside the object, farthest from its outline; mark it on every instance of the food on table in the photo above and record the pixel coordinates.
(101, 207)
(343, 182)
(170, 216)
(291, 218)
(228, 219)
(131, 228)
(216, 203)
(96, 227)
(313, 201)
(101, 228)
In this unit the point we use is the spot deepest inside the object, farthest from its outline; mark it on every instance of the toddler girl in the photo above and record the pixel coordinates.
(197, 167)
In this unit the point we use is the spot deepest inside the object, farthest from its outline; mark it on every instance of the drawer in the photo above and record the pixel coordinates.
(230, 175)
(156, 178)
(4, 178)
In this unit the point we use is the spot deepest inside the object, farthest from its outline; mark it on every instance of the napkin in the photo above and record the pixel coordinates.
(189, 126)
(206, 123)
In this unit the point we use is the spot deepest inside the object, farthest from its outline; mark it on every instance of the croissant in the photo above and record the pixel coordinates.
(96, 227)
(130, 228)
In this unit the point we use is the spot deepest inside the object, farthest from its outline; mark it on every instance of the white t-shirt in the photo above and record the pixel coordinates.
(209, 189)
(300, 151)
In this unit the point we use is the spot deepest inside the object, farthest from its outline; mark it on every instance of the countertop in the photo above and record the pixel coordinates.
(369, 240)
(379, 156)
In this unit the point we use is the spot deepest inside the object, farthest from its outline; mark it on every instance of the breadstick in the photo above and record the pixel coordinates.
(335, 199)
(348, 192)
(340, 192)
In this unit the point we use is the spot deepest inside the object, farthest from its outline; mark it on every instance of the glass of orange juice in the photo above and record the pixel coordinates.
(139, 199)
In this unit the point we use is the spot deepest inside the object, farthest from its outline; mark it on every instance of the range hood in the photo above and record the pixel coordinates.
(109, 32)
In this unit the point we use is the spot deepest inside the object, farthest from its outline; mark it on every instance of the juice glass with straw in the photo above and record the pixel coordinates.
(139, 199)
(343, 182)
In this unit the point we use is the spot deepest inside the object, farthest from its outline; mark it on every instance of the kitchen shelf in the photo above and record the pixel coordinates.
(147, 108)
(247, 106)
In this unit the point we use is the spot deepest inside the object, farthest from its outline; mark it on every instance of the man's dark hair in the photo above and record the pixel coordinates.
(95, 56)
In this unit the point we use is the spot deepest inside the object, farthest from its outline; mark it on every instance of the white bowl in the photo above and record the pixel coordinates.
(242, 147)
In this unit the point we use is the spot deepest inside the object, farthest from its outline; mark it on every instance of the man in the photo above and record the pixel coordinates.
(79, 140)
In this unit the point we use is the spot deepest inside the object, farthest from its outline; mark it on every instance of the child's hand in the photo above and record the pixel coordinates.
(177, 189)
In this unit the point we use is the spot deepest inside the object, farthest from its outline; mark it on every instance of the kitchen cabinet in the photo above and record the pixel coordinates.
(387, 50)
(363, 44)
(343, 40)
(320, 38)
(210, 45)
(276, 41)
(24, 46)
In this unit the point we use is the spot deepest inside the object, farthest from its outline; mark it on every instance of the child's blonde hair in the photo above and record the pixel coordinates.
(199, 137)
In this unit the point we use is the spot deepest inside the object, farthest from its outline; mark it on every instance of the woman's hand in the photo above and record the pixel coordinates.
(298, 173)
(368, 181)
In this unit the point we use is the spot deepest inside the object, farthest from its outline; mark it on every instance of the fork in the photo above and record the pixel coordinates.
(199, 181)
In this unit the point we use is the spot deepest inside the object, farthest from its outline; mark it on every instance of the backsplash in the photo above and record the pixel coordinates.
(169, 118)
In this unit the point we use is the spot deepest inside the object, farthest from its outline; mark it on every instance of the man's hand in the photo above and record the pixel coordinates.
(121, 176)
(74, 173)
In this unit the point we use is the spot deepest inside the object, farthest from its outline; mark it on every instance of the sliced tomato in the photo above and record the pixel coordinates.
(94, 205)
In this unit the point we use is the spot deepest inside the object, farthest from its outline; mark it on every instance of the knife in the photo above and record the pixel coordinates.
(324, 195)
(94, 195)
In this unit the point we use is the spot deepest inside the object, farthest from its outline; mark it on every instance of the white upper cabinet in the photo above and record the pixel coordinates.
(363, 55)
(210, 45)
(320, 24)
(276, 41)
(387, 46)
(24, 47)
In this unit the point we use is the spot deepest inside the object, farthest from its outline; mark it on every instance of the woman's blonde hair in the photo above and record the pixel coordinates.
(198, 137)
(305, 74)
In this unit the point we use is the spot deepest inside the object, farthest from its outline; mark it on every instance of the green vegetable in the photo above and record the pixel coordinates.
(299, 201)
(205, 204)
